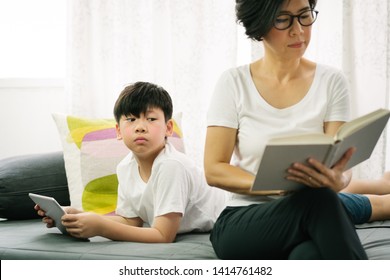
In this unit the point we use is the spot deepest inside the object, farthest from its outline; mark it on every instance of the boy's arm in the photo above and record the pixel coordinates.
(87, 225)
(163, 230)
(135, 222)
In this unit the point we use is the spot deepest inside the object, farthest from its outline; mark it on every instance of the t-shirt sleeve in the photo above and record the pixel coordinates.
(171, 188)
(123, 207)
(339, 98)
(222, 109)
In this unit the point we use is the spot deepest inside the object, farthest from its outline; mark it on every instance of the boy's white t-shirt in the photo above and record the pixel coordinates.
(237, 104)
(176, 185)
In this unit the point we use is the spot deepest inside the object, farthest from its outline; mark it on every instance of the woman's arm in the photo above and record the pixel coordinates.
(219, 147)
(331, 128)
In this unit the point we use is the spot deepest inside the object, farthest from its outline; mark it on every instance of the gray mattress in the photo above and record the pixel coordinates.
(29, 239)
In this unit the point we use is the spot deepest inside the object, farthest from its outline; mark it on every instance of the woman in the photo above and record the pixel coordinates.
(281, 93)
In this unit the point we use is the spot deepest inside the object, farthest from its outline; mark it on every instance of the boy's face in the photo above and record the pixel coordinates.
(145, 135)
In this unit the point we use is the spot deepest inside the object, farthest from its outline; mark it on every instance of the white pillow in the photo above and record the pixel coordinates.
(91, 154)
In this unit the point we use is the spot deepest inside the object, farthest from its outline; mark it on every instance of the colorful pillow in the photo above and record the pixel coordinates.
(91, 154)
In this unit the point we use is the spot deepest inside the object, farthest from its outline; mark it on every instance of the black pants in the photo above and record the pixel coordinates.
(309, 224)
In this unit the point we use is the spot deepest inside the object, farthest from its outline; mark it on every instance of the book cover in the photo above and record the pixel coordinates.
(362, 133)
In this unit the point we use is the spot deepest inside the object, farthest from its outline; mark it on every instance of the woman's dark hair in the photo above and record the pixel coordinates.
(139, 97)
(258, 16)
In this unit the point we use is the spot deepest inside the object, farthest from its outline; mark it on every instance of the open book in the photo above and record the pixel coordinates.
(362, 133)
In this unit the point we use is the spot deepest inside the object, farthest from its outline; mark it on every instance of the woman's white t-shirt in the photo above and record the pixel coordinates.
(176, 185)
(237, 104)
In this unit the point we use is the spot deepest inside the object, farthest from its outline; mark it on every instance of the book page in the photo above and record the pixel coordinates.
(302, 139)
(358, 123)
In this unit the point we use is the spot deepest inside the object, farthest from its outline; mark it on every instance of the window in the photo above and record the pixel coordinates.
(33, 39)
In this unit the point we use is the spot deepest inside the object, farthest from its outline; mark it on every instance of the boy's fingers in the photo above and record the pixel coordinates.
(68, 218)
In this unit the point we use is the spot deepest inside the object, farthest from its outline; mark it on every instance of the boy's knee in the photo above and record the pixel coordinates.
(357, 206)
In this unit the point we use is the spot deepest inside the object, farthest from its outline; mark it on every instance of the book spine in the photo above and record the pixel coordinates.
(329, 158)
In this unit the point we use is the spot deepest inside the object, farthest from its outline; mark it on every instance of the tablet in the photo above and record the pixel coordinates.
(52, 209)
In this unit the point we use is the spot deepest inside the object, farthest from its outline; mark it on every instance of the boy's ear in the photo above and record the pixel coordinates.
(118, 132)
(169, 131)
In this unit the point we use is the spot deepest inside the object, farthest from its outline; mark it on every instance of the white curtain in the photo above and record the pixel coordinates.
(184, 45)
(366, 61)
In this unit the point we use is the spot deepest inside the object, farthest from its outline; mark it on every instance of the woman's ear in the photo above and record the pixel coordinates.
(118, 132)
(169, 131)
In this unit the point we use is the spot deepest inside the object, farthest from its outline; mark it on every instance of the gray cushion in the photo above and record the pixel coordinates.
(30, 239)
(40, 173)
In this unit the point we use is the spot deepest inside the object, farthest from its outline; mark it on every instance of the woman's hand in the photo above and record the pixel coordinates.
(317, 175)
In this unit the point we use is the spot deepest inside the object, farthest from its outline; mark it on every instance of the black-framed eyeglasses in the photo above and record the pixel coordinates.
(285, 21)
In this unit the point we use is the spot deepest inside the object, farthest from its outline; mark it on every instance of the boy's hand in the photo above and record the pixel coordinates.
(49, 221)
(82, 225)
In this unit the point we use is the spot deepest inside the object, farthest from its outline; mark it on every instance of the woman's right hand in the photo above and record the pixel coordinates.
(316, 175)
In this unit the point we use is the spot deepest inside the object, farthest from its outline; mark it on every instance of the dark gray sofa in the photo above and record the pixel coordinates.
(29, 239)
(24, 236)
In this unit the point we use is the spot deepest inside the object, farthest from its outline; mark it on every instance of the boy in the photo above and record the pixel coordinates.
(157, 184)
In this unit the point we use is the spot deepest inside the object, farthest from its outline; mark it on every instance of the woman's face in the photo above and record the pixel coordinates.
(292, 42)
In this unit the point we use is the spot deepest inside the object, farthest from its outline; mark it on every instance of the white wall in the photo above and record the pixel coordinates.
(26, 125)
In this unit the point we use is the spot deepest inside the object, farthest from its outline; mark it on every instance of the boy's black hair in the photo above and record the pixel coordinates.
(258, 16)
(137, 98)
